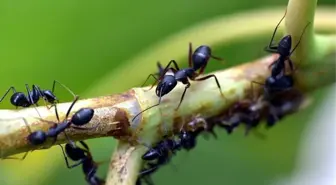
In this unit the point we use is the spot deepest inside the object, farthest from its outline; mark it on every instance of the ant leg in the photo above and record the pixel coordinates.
(16, 158)
(291, 65)
(65, 87)
(150, 170)
(84, 145)
(213, 76)
(185, 90)
(297, 44)
(90, 128)
(11, 88)
(38, 90)
(67, 162)
(270, 48)
(31, 99)
(252, 89)
(190, 55)
(160, 97)
(168, 66)
(203, 68)
(151, 75)
(71, 106)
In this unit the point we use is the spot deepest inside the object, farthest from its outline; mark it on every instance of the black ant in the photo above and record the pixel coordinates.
(283, 49)
(80, 118)
(279, 81)
(82, 157)
(163, 149)
(19, 99)
(167, 82)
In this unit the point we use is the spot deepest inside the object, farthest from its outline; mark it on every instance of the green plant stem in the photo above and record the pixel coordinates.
(299, 14)
(115, 112)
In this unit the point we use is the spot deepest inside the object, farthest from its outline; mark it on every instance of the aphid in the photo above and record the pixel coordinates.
(283, 48)
(189, 132)
(249, 112)
(80, 118)
(83, 157)
(19, 99)
(283, 105)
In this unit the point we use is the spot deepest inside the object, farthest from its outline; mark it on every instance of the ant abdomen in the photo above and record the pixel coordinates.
(37, 137)
(82, 116)
(201, 56)
(19, 99)
(74, 153)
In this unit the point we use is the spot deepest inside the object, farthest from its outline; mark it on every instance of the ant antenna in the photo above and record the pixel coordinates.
(190, 55)
(276, 28)
(216, 58)
(71, 106)
(150, 106)
(300, 38)
(65, 87)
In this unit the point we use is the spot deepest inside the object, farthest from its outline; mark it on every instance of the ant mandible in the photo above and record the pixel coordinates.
(84, 158)
(167, 81)
(19, 99)
(81, 117)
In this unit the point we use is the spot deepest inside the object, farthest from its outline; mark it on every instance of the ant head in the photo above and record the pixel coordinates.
(37, 137)
(51, 98)
(82, 116)
(74, 152)
(285, 46)
(166, 85)
(151, 155)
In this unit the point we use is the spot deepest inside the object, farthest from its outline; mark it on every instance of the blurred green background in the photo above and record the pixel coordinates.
(79, 42)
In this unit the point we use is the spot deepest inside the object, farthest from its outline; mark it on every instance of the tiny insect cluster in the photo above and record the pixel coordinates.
(278, 99)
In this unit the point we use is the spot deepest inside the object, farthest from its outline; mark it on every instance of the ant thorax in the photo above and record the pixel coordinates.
(169, 72)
